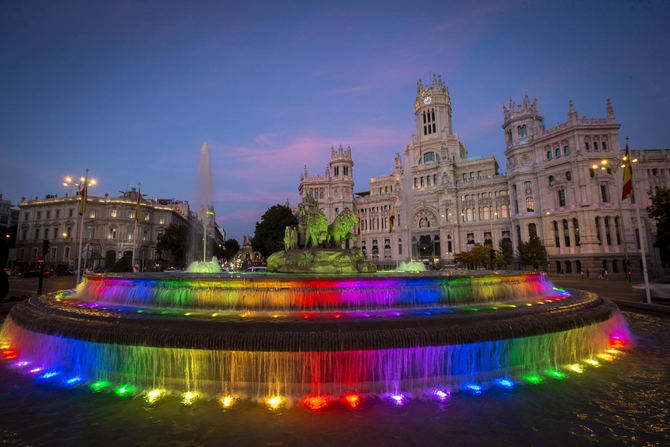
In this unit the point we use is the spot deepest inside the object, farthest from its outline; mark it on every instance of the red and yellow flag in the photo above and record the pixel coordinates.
(392, 220)
(627, 176)
(84, 196)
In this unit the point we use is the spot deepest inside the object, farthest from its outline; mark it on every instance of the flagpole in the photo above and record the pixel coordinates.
(641, 231)
(84, 193)
(137, 218)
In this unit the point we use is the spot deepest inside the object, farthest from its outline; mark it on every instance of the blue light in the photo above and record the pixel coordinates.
(506, 383)
(48, 375)
(476, 389)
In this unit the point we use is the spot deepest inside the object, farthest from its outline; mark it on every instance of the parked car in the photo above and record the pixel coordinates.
(256, 269)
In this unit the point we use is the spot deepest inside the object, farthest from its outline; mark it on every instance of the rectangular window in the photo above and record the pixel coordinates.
(415, 182)
(145, 235)
(70, 212)
(561, 197)
(434, 179)
(399, 246)
(428, 180)
(39, 215)
(146, 216)
(566, 233)
(604, 193)
(557, 239)
(67, 252)
(48, 214)
(113, 213)
(422, 182)
(53, 254)
(161, 221)
(37, 233)
(346, 170)
(91, 214)
(57, 214)
(90, 231)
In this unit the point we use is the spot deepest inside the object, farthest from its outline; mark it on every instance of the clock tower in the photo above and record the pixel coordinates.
(432, 110)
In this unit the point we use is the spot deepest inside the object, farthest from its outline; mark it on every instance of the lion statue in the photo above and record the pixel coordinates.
(316, 226)
(338, 231)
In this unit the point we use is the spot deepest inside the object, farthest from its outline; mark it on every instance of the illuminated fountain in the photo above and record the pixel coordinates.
(310, 338)
(289, 339)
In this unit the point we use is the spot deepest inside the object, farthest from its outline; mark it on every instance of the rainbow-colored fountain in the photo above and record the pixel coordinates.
(284, 339)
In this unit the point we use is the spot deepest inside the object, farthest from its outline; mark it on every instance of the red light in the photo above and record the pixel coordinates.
(337, 315)
(353, 400)
(315, 403)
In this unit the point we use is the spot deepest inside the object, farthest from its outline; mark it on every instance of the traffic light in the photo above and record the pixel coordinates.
(45, 246)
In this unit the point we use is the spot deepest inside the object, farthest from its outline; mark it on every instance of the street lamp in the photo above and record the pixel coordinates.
(81, 186)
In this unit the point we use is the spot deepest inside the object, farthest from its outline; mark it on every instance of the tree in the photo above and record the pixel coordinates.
(532, 252)
(269, 235)
(660, 212)
(227, 250)
(505, 254)
(123, 265)
(476, 257)
(173, 242)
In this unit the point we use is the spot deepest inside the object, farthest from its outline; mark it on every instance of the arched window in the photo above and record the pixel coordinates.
(566, 233)
(557, 152)
(549, 155)
(470, 214)
(575, 224)
(586, 146)
(595, 145)
(532, 230)
(551, 180)
(487, 213)
(604, 144)
(568, 175)
(557, 238)
(566, 150)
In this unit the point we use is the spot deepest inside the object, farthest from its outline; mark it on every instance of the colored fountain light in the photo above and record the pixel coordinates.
(99, 385)
(188, 397)
(154, 395)
(575, 367)
(398, 399)
(278, 338)
(315, 403)
(441, 395)
(352, 400)
(227, 401)
(274, 402)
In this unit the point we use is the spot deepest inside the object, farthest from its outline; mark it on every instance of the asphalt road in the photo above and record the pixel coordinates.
(25, 287)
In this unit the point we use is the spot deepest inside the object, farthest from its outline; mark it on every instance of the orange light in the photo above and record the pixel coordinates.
(353, 400)
(315, 403)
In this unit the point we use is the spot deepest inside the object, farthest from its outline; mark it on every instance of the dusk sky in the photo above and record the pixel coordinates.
(132, 89)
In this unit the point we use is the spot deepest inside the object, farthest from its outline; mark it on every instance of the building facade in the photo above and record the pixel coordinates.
(108, 230)
(9, 214)
(562, 184)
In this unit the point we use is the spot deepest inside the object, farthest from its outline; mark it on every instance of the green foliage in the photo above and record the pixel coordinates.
(660, 212)
(532, 252)
(505, 253)
(123, 265)
(227, 250)
(476, 257)
(269, 235)
(173, 242)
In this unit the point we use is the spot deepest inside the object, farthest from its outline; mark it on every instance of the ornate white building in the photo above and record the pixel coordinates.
(442, 202)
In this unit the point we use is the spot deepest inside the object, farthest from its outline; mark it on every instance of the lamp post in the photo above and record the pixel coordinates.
(81, 186)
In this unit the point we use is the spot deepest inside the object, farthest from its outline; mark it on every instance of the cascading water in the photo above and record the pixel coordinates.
(203, 197)
(284, 339)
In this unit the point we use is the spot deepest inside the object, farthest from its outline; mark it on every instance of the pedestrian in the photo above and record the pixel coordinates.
(605, 274)
(4, 284)
(629, 276)
(581, 274)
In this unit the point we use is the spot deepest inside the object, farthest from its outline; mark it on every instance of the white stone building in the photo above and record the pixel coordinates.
(109, 229)
(444, 202)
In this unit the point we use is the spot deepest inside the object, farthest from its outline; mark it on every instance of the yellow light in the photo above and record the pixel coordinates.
(634, 160)
(624, 158)
(606, 357)
(188, 397)
(623, 166)
(81, 179)
(594, 166)
(274, 402)
(68, 179)
(154, 395)
(227, 401)
(64, 235)
(576, 368)
(613, 351)
(592, 362)
(603, 162)
(93, 181)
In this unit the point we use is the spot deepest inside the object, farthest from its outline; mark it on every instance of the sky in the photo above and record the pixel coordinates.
(132, 89)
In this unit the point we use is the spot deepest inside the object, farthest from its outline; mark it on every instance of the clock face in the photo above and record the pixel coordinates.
(427, 100)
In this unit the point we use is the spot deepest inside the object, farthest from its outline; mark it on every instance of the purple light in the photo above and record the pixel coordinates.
(442, 395)
(398, 399)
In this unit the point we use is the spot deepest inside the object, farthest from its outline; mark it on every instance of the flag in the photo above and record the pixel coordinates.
(84, 196)
(139, 199)
(392, 219)
(627, 176)
(359, 222)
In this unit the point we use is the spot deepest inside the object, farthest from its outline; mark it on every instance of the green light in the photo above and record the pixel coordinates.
(556, 374)
(534, 379)
(124, 390)
(140, 311)
(495, 308)
(99, 385)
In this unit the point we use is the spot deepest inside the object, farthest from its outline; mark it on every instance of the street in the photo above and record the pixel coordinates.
(25, 287)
